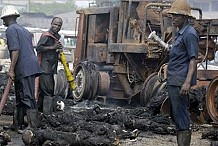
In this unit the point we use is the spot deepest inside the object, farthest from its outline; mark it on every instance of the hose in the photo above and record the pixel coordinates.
(68, 73)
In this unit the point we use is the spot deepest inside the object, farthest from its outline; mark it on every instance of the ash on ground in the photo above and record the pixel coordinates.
(94, 123)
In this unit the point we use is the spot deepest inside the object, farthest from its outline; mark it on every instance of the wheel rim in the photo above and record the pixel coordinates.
(86, 79)
(80, 80)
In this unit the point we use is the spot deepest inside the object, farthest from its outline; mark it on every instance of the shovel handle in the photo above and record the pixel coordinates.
(5, 95)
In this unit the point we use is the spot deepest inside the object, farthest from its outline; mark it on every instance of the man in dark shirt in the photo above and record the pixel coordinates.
(182, 69)
(24, 67)
(48, 49)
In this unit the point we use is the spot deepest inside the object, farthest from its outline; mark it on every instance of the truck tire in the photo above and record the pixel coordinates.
(148, 87)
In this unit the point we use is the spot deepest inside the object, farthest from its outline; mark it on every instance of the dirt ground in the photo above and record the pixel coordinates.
(149, 139)
(143, 139)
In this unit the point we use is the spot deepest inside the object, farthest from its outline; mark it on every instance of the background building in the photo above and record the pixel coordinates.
(205, 5)
(41, 20)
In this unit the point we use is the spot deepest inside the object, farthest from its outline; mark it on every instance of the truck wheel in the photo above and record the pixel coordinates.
(61, 84)
(212, 100)
(158, 99)
(80, 81)
(86, 80)
(148, 89)
(104, 83)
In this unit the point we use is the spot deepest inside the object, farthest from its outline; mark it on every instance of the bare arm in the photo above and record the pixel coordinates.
(56, 46)
(14, 57)
(187, 84)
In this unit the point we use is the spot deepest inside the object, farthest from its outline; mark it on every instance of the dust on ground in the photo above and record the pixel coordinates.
(144, 137)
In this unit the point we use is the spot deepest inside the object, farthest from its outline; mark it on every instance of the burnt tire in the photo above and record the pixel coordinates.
(61, 84)
(159, 96)
(104, 83)
(86, 80)
(212, 99)
(148, 88)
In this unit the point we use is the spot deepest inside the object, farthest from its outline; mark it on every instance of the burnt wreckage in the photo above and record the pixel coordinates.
(119, 54)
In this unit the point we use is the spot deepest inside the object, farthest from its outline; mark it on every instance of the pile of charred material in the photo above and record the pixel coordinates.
(91, 124)
(211, 135)
(94, 123)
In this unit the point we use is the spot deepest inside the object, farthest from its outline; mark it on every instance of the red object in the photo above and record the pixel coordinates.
(5, 95)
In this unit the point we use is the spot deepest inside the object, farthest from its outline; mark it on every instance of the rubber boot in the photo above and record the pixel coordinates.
(32, 118)
(20, 118)
(48, 105)
(184, 138)
(14, 126)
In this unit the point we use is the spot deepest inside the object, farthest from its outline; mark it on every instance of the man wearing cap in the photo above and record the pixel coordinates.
(23, 69)
(182, 69)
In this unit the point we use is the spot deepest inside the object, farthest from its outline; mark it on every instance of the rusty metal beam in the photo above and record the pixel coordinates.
(125, 84)
(127, 48)
(207, 74)
(79, 51)
(120, 69)
(96, 10)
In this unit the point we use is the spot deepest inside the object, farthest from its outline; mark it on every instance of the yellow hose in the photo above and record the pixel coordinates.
(68, 73)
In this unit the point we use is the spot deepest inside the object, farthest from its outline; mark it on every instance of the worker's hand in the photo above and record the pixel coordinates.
(58, 46)
(185, 88)
(11, 74)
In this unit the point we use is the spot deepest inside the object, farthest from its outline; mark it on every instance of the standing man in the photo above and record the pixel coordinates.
(182, 69)
(24, 67)
(48, 49)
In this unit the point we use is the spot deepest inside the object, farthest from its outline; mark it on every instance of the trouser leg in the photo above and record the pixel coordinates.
(47, 91)
(180, 115)
(179, 108)
(20, 117)
(26, 99)
(40, 102)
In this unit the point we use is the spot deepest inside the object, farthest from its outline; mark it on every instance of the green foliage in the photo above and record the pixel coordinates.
(52, 8)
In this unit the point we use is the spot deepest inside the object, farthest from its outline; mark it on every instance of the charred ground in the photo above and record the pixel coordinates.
(94, 123)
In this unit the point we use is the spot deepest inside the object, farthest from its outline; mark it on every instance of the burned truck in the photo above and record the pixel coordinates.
(116, 58)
